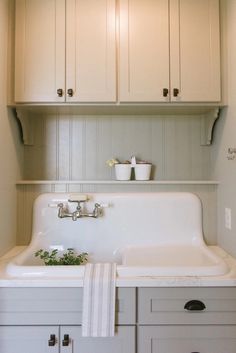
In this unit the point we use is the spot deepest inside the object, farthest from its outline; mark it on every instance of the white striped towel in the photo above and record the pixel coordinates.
(98, 318)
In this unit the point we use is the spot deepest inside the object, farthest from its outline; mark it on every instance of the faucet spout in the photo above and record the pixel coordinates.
(77, 213)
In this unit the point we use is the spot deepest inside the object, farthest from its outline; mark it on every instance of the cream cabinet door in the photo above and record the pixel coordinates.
(40, 51)
(144, 50)
(194, 51)
(91, 50)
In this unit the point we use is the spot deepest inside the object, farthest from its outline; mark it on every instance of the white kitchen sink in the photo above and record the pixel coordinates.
(147, 261)
(146, 234)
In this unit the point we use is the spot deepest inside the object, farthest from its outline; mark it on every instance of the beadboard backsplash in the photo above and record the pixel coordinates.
(77, 147)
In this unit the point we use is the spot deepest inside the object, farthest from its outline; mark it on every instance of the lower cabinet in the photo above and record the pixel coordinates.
(64, 339)
(48, 320)
(187, 320)
(29, 339)
(122, 342)
(148, 320)
(187, 339)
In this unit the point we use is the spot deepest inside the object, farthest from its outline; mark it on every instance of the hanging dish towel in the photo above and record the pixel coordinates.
(98, 318)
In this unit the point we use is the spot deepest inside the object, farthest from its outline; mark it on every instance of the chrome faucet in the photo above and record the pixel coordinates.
(63, 212)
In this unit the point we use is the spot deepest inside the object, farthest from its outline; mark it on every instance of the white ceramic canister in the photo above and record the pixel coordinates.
(123, 171)
(142, 171)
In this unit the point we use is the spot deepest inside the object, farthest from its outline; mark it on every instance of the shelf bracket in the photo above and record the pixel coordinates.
(207, 126)
(27, 126)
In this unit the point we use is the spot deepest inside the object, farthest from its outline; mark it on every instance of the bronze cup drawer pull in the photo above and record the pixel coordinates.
(195, 305)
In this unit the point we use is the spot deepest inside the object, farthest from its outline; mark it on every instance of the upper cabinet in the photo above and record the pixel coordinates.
(194, 51)
(144, 50)
(90, 51)
(39, 50)
(169, 51)
(65, 51)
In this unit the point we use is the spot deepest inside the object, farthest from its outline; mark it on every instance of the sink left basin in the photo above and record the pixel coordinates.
(26, 265)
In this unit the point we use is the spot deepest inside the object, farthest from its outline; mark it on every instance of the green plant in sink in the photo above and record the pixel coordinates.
(69, 257)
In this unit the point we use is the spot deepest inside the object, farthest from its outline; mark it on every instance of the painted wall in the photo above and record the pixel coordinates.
(10, 149)
(224, 170)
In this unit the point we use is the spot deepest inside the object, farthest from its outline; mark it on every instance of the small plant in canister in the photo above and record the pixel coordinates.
(122, 169)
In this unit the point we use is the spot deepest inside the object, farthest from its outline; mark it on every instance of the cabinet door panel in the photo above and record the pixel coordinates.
(28, 339)
(144, 50)
(195, 50)
(187, 339)
(91, 50)
(122, 342)
(39, 50)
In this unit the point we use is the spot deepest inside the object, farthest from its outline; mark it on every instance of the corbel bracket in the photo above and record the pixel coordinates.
(27, 126)
(207, 126)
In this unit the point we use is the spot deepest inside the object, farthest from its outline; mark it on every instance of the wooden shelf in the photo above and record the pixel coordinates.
(116, 182)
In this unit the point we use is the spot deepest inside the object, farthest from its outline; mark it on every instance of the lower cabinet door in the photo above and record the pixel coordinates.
(73, 342)
(187, 339)
(29, 339)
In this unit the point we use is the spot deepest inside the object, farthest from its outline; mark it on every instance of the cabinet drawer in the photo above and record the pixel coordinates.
(186, 339)
(37, 306)
(166, 306)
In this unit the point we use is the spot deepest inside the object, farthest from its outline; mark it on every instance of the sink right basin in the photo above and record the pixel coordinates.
(171, 261)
